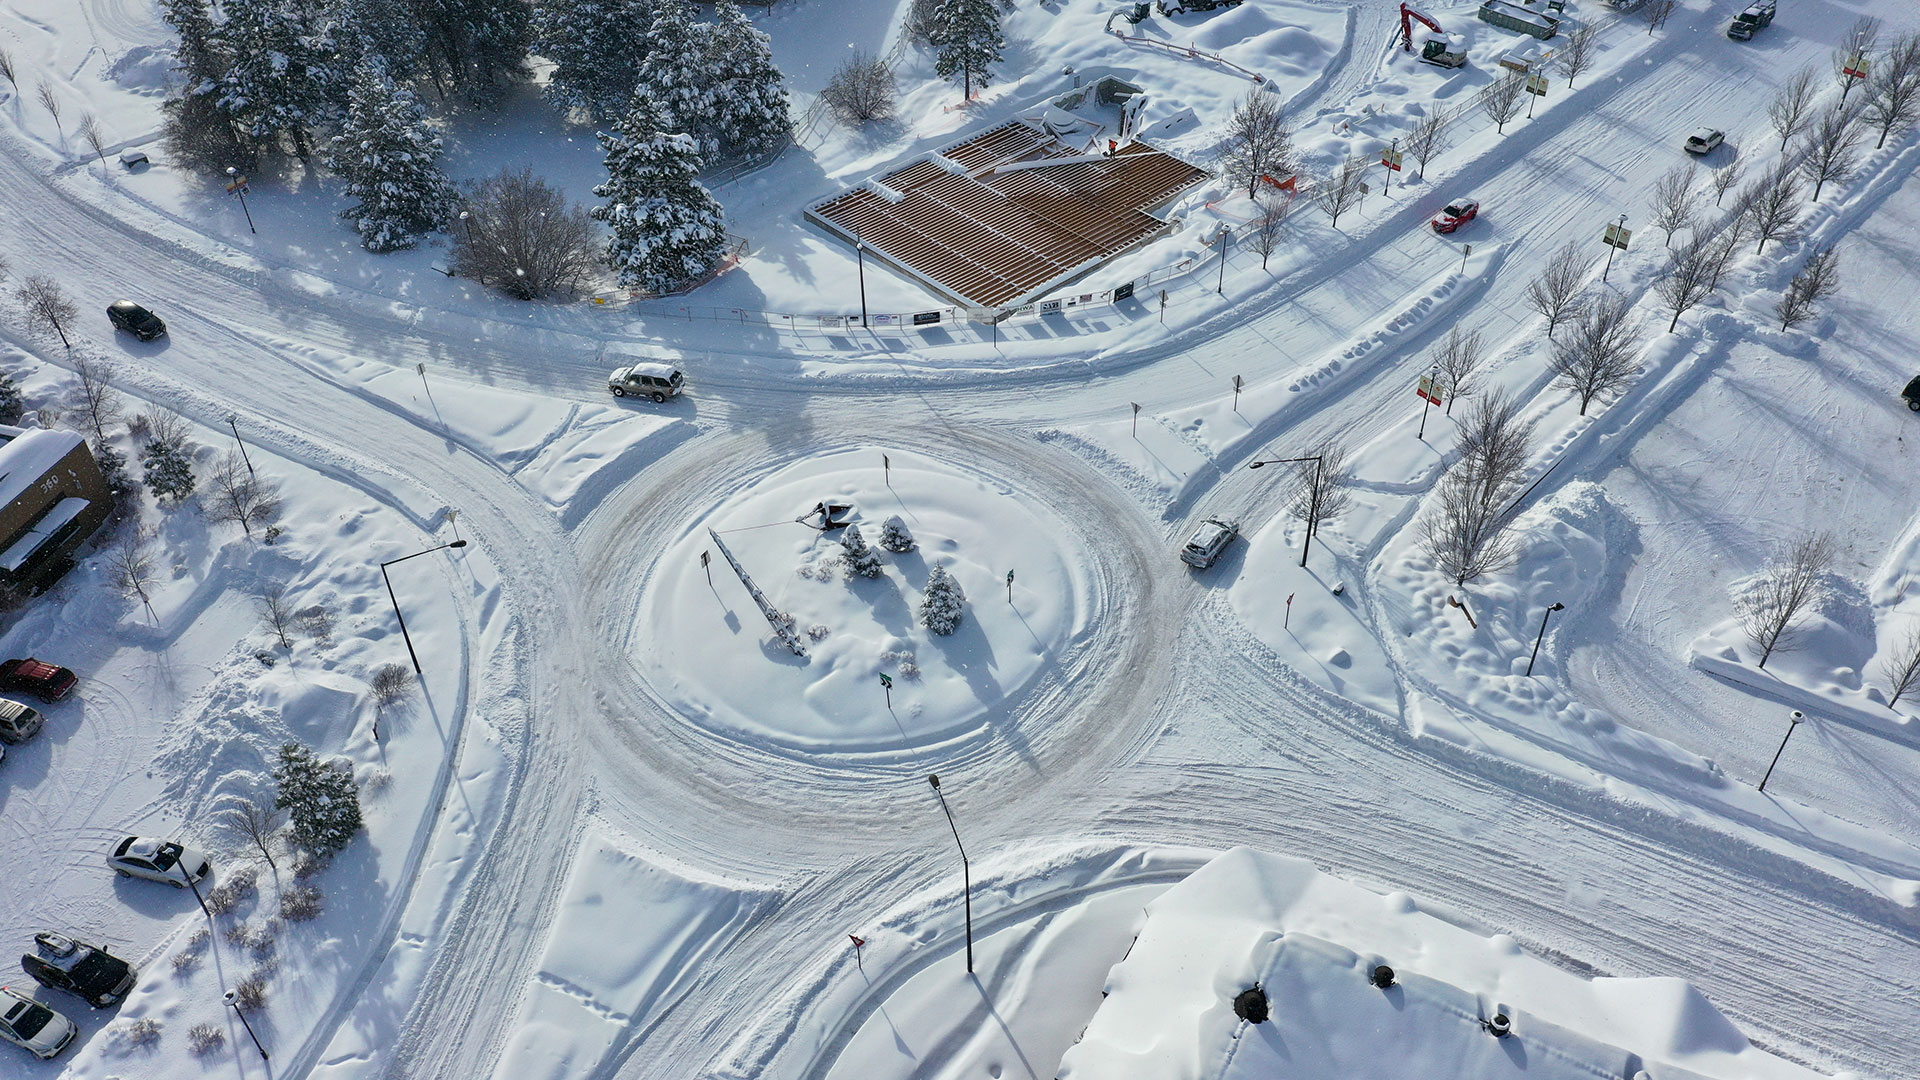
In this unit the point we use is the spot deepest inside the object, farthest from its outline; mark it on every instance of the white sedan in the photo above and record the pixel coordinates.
(27, 1023)
(159, 860)
(1704, 141)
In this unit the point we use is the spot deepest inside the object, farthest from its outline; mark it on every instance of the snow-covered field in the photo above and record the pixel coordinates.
(618, 830)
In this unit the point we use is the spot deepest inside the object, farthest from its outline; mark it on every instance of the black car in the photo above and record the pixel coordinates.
(78, 968)
(136, 320)
(1912, 394)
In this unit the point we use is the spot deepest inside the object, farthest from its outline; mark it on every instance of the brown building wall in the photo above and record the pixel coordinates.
(76, 475)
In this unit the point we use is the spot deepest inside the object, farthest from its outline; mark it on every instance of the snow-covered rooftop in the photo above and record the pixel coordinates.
(27, 453)
(1311, 940)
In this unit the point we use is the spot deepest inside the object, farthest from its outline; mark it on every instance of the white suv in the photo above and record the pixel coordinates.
(656, 381)
(1208, 541)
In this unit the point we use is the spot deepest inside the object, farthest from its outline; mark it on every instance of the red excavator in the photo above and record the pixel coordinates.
(1407, 16)
(1439, 50)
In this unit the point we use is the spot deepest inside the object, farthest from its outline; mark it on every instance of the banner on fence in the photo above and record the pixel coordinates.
(926, 318)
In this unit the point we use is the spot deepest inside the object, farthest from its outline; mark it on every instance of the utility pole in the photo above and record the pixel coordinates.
(1225, 235)
(860, 256)
(966, 874)
(408, 638)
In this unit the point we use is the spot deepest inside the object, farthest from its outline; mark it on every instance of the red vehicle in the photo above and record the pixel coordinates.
(45, 681)
(1457, 213)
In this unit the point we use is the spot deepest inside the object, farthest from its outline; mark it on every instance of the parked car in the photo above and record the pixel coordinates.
(136, 320)
(1176, 7)
(1912, 393)
(159, 860)
(1754, 18)
(26, 1022)
(656, 381)
(48, 682)
(88, 971)
(1457, 213)
(1705, 140)
(18, 722)
(1208, 541)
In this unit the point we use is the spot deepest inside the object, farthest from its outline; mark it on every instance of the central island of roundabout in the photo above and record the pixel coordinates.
(868, 676)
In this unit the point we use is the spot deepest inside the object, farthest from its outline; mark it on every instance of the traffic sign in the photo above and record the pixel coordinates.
(885, 682)
(1617, 236)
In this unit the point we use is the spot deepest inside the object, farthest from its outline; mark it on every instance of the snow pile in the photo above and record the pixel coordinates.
(1310, 941)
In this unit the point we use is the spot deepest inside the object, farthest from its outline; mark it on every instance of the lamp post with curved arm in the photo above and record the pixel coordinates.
(396, 601)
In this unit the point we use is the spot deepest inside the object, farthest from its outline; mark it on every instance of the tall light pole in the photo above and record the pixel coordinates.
(966, 874)
(466, 218)
(1544, 616)
(238, 185)
(233, 422)
(1225, 235)
(1319, 463)
(396, 602)
(1793, 721)
(233, 1000)
(860, 256)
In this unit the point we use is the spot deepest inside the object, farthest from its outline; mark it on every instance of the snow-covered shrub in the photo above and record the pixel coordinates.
(251, 992)
(306, 864)
(12, 405)
(142, 1032)
(317, 623)
(300, 903)
(204, 1039)
(377, 779)
(184, 962)
(235, 887)
(237, 934)
(860, 559)
(909, 670)
(943, 603)
(264, 939)
(390, 683)
(319, 797)
(894, 535)
(819, 630)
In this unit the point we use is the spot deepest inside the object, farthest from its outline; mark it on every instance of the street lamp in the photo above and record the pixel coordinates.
(396, 601)
(1319, 463)
(966, 874)
(1544, 616)
(238, 185)
(1793, 721)
(233, 421)
(233, 1000)
(1225, 235)
(466, 218)
(860, 256)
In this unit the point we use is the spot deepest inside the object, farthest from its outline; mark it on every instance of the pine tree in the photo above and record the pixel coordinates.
(676, 78)
(389, 158)
(199, 132)
(596, 47)
(12, 404)
(860, 558)
(943, 603)
(382, 32)
(967, 35)
(168, 472)
(750, 112)
(113, 466)
(281, 78)
(667, 229)
(475, 46)
(322, 806)
(894, 535)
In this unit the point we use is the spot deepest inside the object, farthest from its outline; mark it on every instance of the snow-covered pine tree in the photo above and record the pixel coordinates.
(667, 229)
(596, 47)
(382, 32)
(322, 806)
(894, 535)
(750, 112)
(475, 46)
(390, 160)
(860, 558)
(12, 404)
(676, 78)
(199, 132)
(113, 466)
(282, 77)
(167, 471)
(967, 35)
(942, 605)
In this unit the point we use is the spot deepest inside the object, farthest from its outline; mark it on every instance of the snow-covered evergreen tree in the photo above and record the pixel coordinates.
(942, 605)
(199, 131)
(860, 558)
(667, 229)
(676, 78)
(390, 160)
(281, 77)
(113, 466)
(750, 113)
(12, 404)
(894, 535)
(322, 806)
(967, 35)
(382, 32)
(167, 471)
(596, 47)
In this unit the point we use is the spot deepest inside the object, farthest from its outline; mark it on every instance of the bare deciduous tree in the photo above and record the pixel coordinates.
(167, 426)
(256, 821)
(1456, 360)
(51, 102)
(99, 401)
(1725, 247)
(1688, 279)
(862, 90)
(1792, 106)
(1577, 55)
(1771, 205)
(235, 495)
(1776, 596)
(46, 305)
(1829, 152)
(1465, 531)
(7, 70)
(1555, 292)
(1893, 94)
(1428, 139)
(1494, 440)
(390, 683)
(1598, 356)
(1320, 489)
(90, 131)
(1658, 12)
(1901, 668)
(276, 610)
(1340, 189)
(1858, 41)
(1269, 221)
(526, 238)
(1816, 281)
(1259, 142)
(129, 561)
(1674, 201)
(1725, 178)
(1502, 101)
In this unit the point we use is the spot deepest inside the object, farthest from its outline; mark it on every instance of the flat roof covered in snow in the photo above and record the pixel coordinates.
(27, 454)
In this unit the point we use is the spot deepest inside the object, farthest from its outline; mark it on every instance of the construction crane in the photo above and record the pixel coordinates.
(1407, 16)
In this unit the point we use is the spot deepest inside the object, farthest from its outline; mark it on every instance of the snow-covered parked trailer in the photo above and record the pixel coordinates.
(1510, 16)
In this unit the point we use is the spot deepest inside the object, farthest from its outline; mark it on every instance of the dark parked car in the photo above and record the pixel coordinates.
(37, 677)
(85, 970)
(1912, 394)
(136, 320)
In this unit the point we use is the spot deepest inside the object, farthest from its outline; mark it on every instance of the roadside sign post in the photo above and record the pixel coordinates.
(706, 564)
(1391, 159)
(1288, 617)
(1429, 392)
(1465, 250)
(1136, 418)
(1009, 586)
(886, 684)
(1616, 239)
(1536, 89)
(1362, 204)
(1236, 393)
(238, 186)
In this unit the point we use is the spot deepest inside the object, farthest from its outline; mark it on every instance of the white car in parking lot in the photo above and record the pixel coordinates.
(27, 1023)
(159, 860)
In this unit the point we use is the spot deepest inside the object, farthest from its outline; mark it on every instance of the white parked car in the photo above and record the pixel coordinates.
(1208, 541)
(1704, 140)
(159, 860)
(25, 1022)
